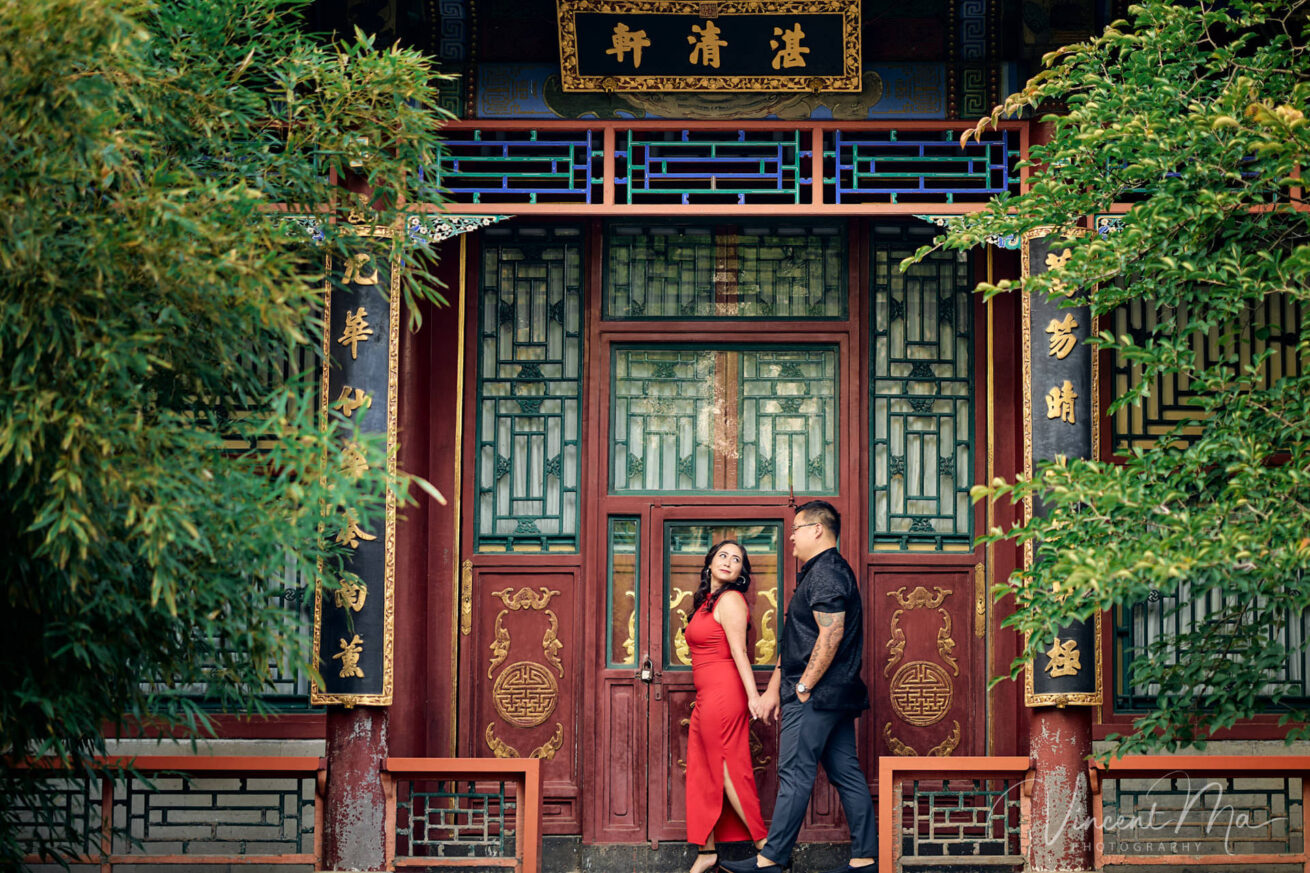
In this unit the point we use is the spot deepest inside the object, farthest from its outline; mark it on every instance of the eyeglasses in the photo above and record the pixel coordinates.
(796, 527)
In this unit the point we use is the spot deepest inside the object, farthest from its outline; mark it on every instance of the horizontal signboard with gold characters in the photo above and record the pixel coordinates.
(690, 45)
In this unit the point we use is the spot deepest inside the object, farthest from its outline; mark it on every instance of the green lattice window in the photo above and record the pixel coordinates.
(1269, 326)
(529, 390)
(705, 272)
(921, 410)
(724, 419)
(287, 689)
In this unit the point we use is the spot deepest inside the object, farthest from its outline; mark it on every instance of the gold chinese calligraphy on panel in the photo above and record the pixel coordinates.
(690, 45)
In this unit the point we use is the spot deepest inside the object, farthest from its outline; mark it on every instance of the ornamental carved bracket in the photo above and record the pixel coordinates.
(550, 643)
(546, 751)
(941, 750)
(920, 597)
(525, 598)
(499, 645)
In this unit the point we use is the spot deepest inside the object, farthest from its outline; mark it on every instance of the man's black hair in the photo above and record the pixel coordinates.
(823, 512)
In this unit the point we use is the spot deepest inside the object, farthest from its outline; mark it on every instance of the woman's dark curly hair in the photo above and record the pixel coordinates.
(742, 583)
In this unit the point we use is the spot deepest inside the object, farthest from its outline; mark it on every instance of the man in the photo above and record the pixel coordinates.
(817, 686)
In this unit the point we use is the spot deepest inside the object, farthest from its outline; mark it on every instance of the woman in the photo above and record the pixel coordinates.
(722, 799)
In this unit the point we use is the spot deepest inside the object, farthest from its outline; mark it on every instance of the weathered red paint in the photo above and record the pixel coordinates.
(1061, 835)
(355, 816)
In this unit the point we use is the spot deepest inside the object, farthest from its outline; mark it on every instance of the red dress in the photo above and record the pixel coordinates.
(720, 725)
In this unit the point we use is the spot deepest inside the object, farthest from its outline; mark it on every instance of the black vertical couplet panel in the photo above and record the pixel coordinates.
(1062, 404)
(354, 633)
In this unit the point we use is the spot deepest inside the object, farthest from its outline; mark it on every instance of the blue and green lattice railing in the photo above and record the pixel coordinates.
(675, 167)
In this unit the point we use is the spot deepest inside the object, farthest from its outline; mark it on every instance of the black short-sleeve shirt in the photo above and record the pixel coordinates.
(826, 584)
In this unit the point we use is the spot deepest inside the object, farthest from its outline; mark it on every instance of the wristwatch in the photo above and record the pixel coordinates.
(802, 688)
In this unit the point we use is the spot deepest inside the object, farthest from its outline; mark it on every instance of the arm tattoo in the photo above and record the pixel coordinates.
(831, 619)
(832, 627)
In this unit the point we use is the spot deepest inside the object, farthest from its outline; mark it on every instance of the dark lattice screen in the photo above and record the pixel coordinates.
(1272, 325)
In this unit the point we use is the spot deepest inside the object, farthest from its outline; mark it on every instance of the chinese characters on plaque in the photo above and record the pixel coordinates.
(1060, 421)
(353, 615)
(690, 45)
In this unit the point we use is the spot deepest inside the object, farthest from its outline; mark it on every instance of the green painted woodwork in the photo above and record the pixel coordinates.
(708, 166)
(959, 819)
(215, 816)
(685, 272)
(1163, 617)
(287, 689)
(529, 401)
(451, 823)
(685, 545)
(724, 418)
(623, 634)
(64, 811)
(922, 394)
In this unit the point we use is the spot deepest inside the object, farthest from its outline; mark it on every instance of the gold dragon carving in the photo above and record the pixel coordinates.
(680, 648)
(499, 747)
(767, 645)
(896, 644)
(499, 645)
(945, 645)
(546, 751)
(551, 645)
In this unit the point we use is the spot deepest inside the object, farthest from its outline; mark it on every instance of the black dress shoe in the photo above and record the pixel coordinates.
(869, 868)
(750, 864)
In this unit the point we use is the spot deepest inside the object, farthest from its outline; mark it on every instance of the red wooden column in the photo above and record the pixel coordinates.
(1060, 836)
(355, 803)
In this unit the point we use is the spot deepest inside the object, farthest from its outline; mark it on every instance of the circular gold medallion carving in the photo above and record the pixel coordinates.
(525, 694)
(921, 693)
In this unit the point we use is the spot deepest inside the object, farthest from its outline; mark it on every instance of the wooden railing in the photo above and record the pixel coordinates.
(167, 810)
(681, 168)
(193, 811)
(992, 809)
(1199, 815)
(442, 843)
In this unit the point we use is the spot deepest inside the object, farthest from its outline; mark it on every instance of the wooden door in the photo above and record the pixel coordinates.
(647, 688)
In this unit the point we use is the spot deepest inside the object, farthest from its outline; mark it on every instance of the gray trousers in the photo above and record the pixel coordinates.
(809, 737)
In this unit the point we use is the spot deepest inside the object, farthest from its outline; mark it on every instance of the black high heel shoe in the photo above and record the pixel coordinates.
(712, 867)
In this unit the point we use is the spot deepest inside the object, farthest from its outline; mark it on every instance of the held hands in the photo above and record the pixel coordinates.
(766, 707)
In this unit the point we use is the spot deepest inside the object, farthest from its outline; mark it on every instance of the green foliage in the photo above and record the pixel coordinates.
(144, 265)
(1194, 113)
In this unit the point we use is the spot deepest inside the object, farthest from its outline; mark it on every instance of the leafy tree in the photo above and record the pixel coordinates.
(155, 477)
(1193, 113)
